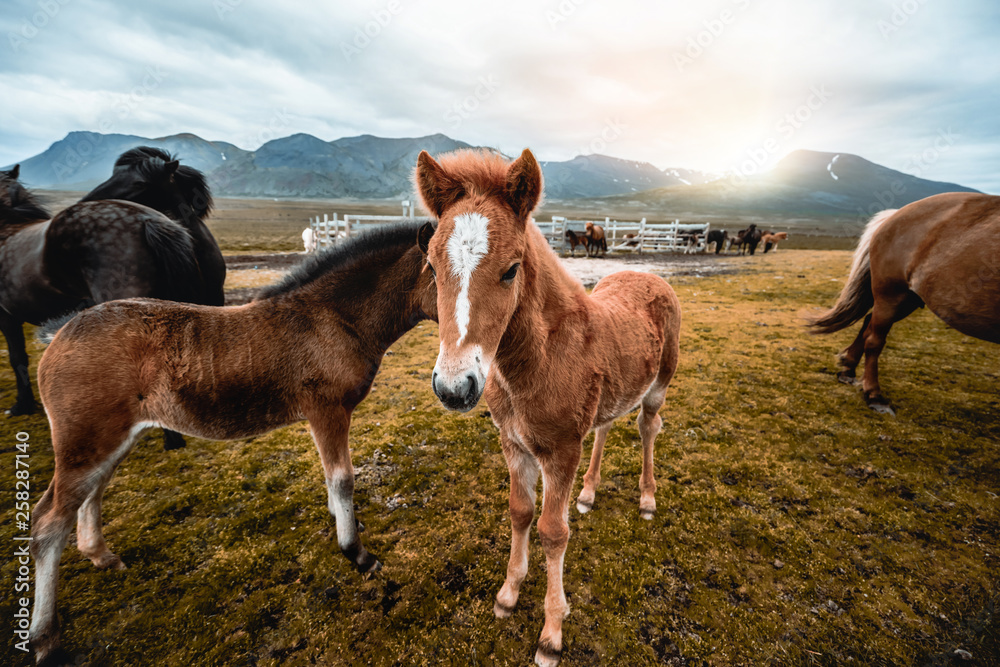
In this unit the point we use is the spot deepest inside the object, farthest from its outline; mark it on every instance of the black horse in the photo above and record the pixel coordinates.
(152, 177)
(718, 237)
(90, 253)
(748, 239)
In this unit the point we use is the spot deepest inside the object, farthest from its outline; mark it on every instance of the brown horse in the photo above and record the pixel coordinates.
(770, 240)
(942, 252)
(575, 240)
(307, 348)
(596, 240)
(514, 326)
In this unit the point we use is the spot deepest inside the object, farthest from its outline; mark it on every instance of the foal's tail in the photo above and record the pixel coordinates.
(856, 299)
(178, 276)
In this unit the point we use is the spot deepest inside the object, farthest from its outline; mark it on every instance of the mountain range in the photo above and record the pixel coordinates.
(804, 183)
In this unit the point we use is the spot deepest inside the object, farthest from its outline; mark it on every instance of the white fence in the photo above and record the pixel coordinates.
(638, 236)
(328, 231)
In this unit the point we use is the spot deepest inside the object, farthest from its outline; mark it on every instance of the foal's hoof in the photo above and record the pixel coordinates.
(583, 507)
(646, 514)
(56, 658)
(547, 656)
(108, 561)
(501, 611)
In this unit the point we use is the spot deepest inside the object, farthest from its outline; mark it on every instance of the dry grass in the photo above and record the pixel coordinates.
(887, 531)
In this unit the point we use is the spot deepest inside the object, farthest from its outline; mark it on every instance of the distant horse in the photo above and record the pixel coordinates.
(596, 239)
(770, 240)
(552, 361)
(309, 240)
(718, 237)
(575, 240)
(942, 252)
(690, 240)
(308, 348)
(748, 239)
(89, 253)
(152, 177)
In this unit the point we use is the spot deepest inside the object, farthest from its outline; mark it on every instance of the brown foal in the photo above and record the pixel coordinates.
(307, 348)
(514, 326)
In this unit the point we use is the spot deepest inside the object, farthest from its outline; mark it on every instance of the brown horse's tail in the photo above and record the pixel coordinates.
(856, 299)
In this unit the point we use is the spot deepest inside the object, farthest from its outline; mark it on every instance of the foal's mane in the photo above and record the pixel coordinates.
(363, 249)
(18, 204)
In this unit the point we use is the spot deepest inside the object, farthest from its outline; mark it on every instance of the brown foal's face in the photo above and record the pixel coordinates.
(476, 256)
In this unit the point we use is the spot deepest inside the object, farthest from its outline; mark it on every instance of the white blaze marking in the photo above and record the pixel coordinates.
(469, 241)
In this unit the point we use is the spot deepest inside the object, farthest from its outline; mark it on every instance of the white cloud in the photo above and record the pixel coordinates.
(564, 70)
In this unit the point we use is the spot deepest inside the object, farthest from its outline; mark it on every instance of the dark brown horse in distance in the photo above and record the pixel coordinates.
(942, 252)
(307, 348)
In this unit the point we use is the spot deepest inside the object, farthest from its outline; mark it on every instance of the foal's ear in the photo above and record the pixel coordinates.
(172, 166)
(436, 188)
(424, 235)
(15, 172)
(524, 185)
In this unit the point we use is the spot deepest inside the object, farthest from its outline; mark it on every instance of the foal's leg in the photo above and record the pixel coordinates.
(53, 516)
(592, 478)
(649, 427)
(89, 532)
(523, 478)
(889, 308)
(13, 331)
(330, 426)
(553, 530)
(850, 357)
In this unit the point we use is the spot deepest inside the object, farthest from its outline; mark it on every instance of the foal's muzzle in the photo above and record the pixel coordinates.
(461, 394)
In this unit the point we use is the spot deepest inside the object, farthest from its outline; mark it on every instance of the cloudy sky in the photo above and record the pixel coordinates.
(715, 85)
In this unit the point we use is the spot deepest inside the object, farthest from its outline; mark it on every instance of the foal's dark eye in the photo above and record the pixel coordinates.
(509, 276)
(433, 272)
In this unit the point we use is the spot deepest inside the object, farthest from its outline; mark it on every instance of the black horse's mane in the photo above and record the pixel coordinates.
(359, 250)
(18, 203)
(150, 164)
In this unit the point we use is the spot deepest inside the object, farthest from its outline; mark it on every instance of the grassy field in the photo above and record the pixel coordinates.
(794, 526)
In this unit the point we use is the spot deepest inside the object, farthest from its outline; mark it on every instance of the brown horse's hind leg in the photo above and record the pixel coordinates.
(850, 357)
(524, 471)
(89, 533)
(330, 426)
(888, 310)
(592, 478)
